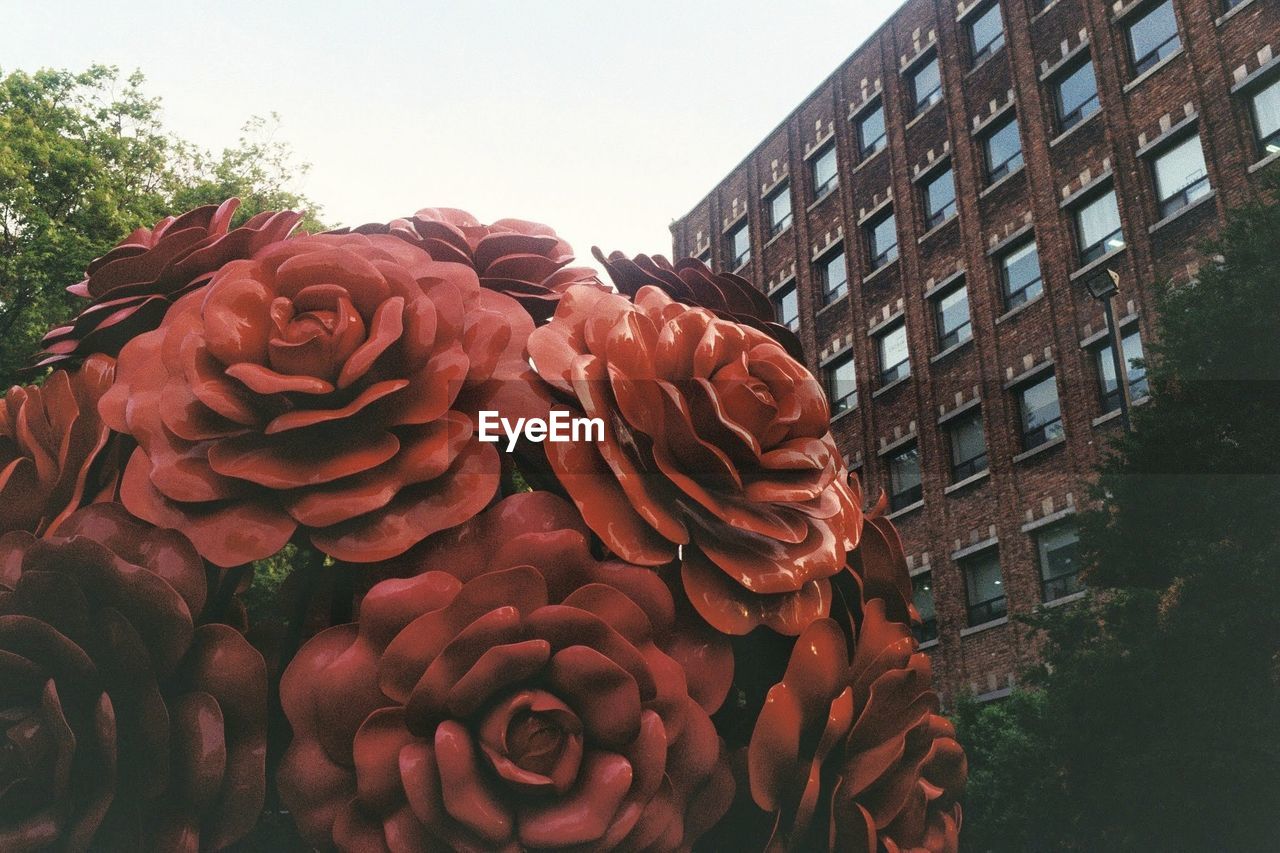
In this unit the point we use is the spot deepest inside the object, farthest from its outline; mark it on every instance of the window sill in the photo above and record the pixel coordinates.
(1183, 211)
(1063, 61)
(1005, 178)
(825, 308)
(935, 229)
(1018, 309)
(1231, 13)
(1141, 78)
(985, 626)
(1264, 162)
(972, 480)
(1097, 263)
(820, 199)
(1039, 449)
(927, 644)
(950, 351)
(915, 119)
(866, 160)
(906, 510)
(1114, 414)
(885, 389)
(775, 237)
(845, 413)
(878, 271)
(1066, 599)
(1038, 15)
(1069, 131)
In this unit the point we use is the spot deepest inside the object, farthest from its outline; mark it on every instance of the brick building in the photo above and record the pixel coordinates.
(928, 219)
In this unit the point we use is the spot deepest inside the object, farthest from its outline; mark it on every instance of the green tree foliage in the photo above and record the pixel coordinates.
(85, 159)
(1154, 722)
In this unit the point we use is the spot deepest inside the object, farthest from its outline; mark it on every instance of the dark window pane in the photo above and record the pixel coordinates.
(904, 478)
(940, 199)
(1003, 150)
(1077, 96)
(922, 597)
(842, 385)
(1131, 345)
(984, 587)
(1059, 562)
(1153, 37)
(895, 363)
(968, 447)
(952, 311)
(926, 85)
(986, 33)
(1020, 271)
(871, 135)
(1041, 415)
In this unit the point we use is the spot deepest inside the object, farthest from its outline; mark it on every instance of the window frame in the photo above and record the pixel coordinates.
(1066, 121)
(890, 253)
(1014, 299)
(972, 466)
(927, 630)
(897, 369)
(995, 172)
(978, 54)
(990, 609)
(822, 272)
(1139, 386)
(777, 298)
(826, 188)
(933, 96)
(1139, 65)
(841, 403)
(1264, 143)
(776, 227)
(1189, 192)
(912, 495)
(1087, 254)
(1072, 584)
(865, 151)
(738, 261)
(1042, 433)
(942, 333)
(934, 218)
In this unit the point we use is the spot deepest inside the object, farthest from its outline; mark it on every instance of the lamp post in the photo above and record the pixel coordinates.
(1103, 288)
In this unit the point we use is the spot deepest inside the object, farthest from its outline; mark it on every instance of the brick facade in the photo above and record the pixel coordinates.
(1204, 84)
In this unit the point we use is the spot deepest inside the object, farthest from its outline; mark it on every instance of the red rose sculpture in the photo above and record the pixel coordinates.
(126, 726)
(327, 386)
(852, 755)
(51, 444)
(525, 260)
(716, 448)
(512, 696)
(132, 286)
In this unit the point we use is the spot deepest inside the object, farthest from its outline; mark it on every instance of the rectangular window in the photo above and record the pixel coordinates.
(984, 587)
(1181, 176)
(1098, 227)
(926, 86)
(922, 598)
(842, 385)
(786, 307)
(968, 446)
(1002, 148)
(824, 172)
(895, 363)
(1020, 275)
(939, 199)
(705, 256)
(1266, 118)
(882, 240)
(1109, 390)
(1153, 37)
(1059, 549)
(1077, 96)
(833, 274)
(951, 311)
(739, 245)
(904, 478)
(871, 133)
(1041, 415)
(779, 210)
(986, 34)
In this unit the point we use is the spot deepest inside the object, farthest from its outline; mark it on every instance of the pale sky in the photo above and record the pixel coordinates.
(606, 120)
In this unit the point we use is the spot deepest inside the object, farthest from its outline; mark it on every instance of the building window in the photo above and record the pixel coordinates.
(926, 86)
(1020, 275)
(739, 245)
(1002, 149)
(904, 478)
(939, 199)
(1181, 177)
(871, 133)
(922, 598)
(951, 313)
(833, 274)
(1109, 390)
(824, 172)
(786, 307)
(984, 587)
(842, 384)
(1266, 118)
(1098, 227)
(779, 210)
(705, 256)
(882, 240)
(1153, 37)
(968, 446)
(1041, 415)
(1077, 96)
(986, 33)
(1059, 549)
(895, 363)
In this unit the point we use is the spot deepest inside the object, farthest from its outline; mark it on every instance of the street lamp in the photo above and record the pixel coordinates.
(1103, 288)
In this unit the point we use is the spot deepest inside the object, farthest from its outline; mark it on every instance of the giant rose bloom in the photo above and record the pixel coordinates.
(525, 260)
(716, 448)
(511, 696)
(327, 386)
(851, 755)
(126, 726)
(132, 286)
(52, 447)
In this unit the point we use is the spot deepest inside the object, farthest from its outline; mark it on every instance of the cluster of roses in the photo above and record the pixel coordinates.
(687, 636)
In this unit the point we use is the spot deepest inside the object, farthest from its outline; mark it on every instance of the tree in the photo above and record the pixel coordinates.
(85, 159)
(1154, 721)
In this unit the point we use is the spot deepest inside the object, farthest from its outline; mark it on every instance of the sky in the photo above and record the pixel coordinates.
(605, 120)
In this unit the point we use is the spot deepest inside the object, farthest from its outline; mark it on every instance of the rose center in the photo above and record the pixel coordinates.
(535, 742)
